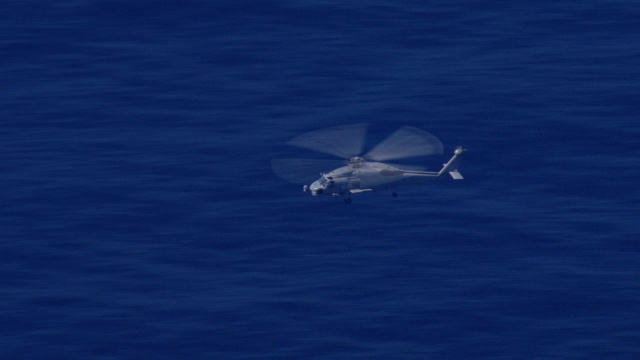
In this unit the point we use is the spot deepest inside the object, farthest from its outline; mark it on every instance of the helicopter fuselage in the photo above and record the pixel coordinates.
(356, 178)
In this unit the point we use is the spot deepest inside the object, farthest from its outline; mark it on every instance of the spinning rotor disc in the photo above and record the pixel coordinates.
(347, 142)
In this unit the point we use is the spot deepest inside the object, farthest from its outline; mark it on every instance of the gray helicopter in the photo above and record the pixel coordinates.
(358, 173)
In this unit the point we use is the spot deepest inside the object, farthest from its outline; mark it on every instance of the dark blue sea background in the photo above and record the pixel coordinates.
(141, 219)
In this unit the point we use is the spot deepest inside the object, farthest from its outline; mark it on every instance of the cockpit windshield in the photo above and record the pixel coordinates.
(323, 181)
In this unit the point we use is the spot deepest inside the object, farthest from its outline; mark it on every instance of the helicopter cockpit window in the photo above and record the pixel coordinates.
(323, 181)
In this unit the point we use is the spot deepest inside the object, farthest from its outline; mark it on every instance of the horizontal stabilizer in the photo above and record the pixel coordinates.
(456, 175)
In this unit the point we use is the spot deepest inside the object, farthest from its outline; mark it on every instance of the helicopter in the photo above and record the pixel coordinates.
(359, 173)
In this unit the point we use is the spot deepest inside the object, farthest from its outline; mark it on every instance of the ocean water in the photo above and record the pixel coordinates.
(140, 217)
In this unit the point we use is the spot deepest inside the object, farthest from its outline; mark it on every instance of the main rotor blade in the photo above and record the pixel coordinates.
(303, 171)
(408, 167)
(343, 141)
(406, 142)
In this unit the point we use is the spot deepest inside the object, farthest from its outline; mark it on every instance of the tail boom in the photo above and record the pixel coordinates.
(450, 167)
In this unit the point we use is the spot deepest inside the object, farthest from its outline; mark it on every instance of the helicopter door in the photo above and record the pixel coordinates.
(354, 183)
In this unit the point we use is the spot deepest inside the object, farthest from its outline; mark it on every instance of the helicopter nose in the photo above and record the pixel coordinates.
(316, 188)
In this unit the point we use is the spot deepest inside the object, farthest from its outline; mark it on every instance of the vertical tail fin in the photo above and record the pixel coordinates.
(452, 166)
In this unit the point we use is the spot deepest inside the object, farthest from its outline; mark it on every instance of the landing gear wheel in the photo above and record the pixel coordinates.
(394, 194)
(347, 200)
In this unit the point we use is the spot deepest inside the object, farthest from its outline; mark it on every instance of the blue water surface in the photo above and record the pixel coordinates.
(140, 217)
